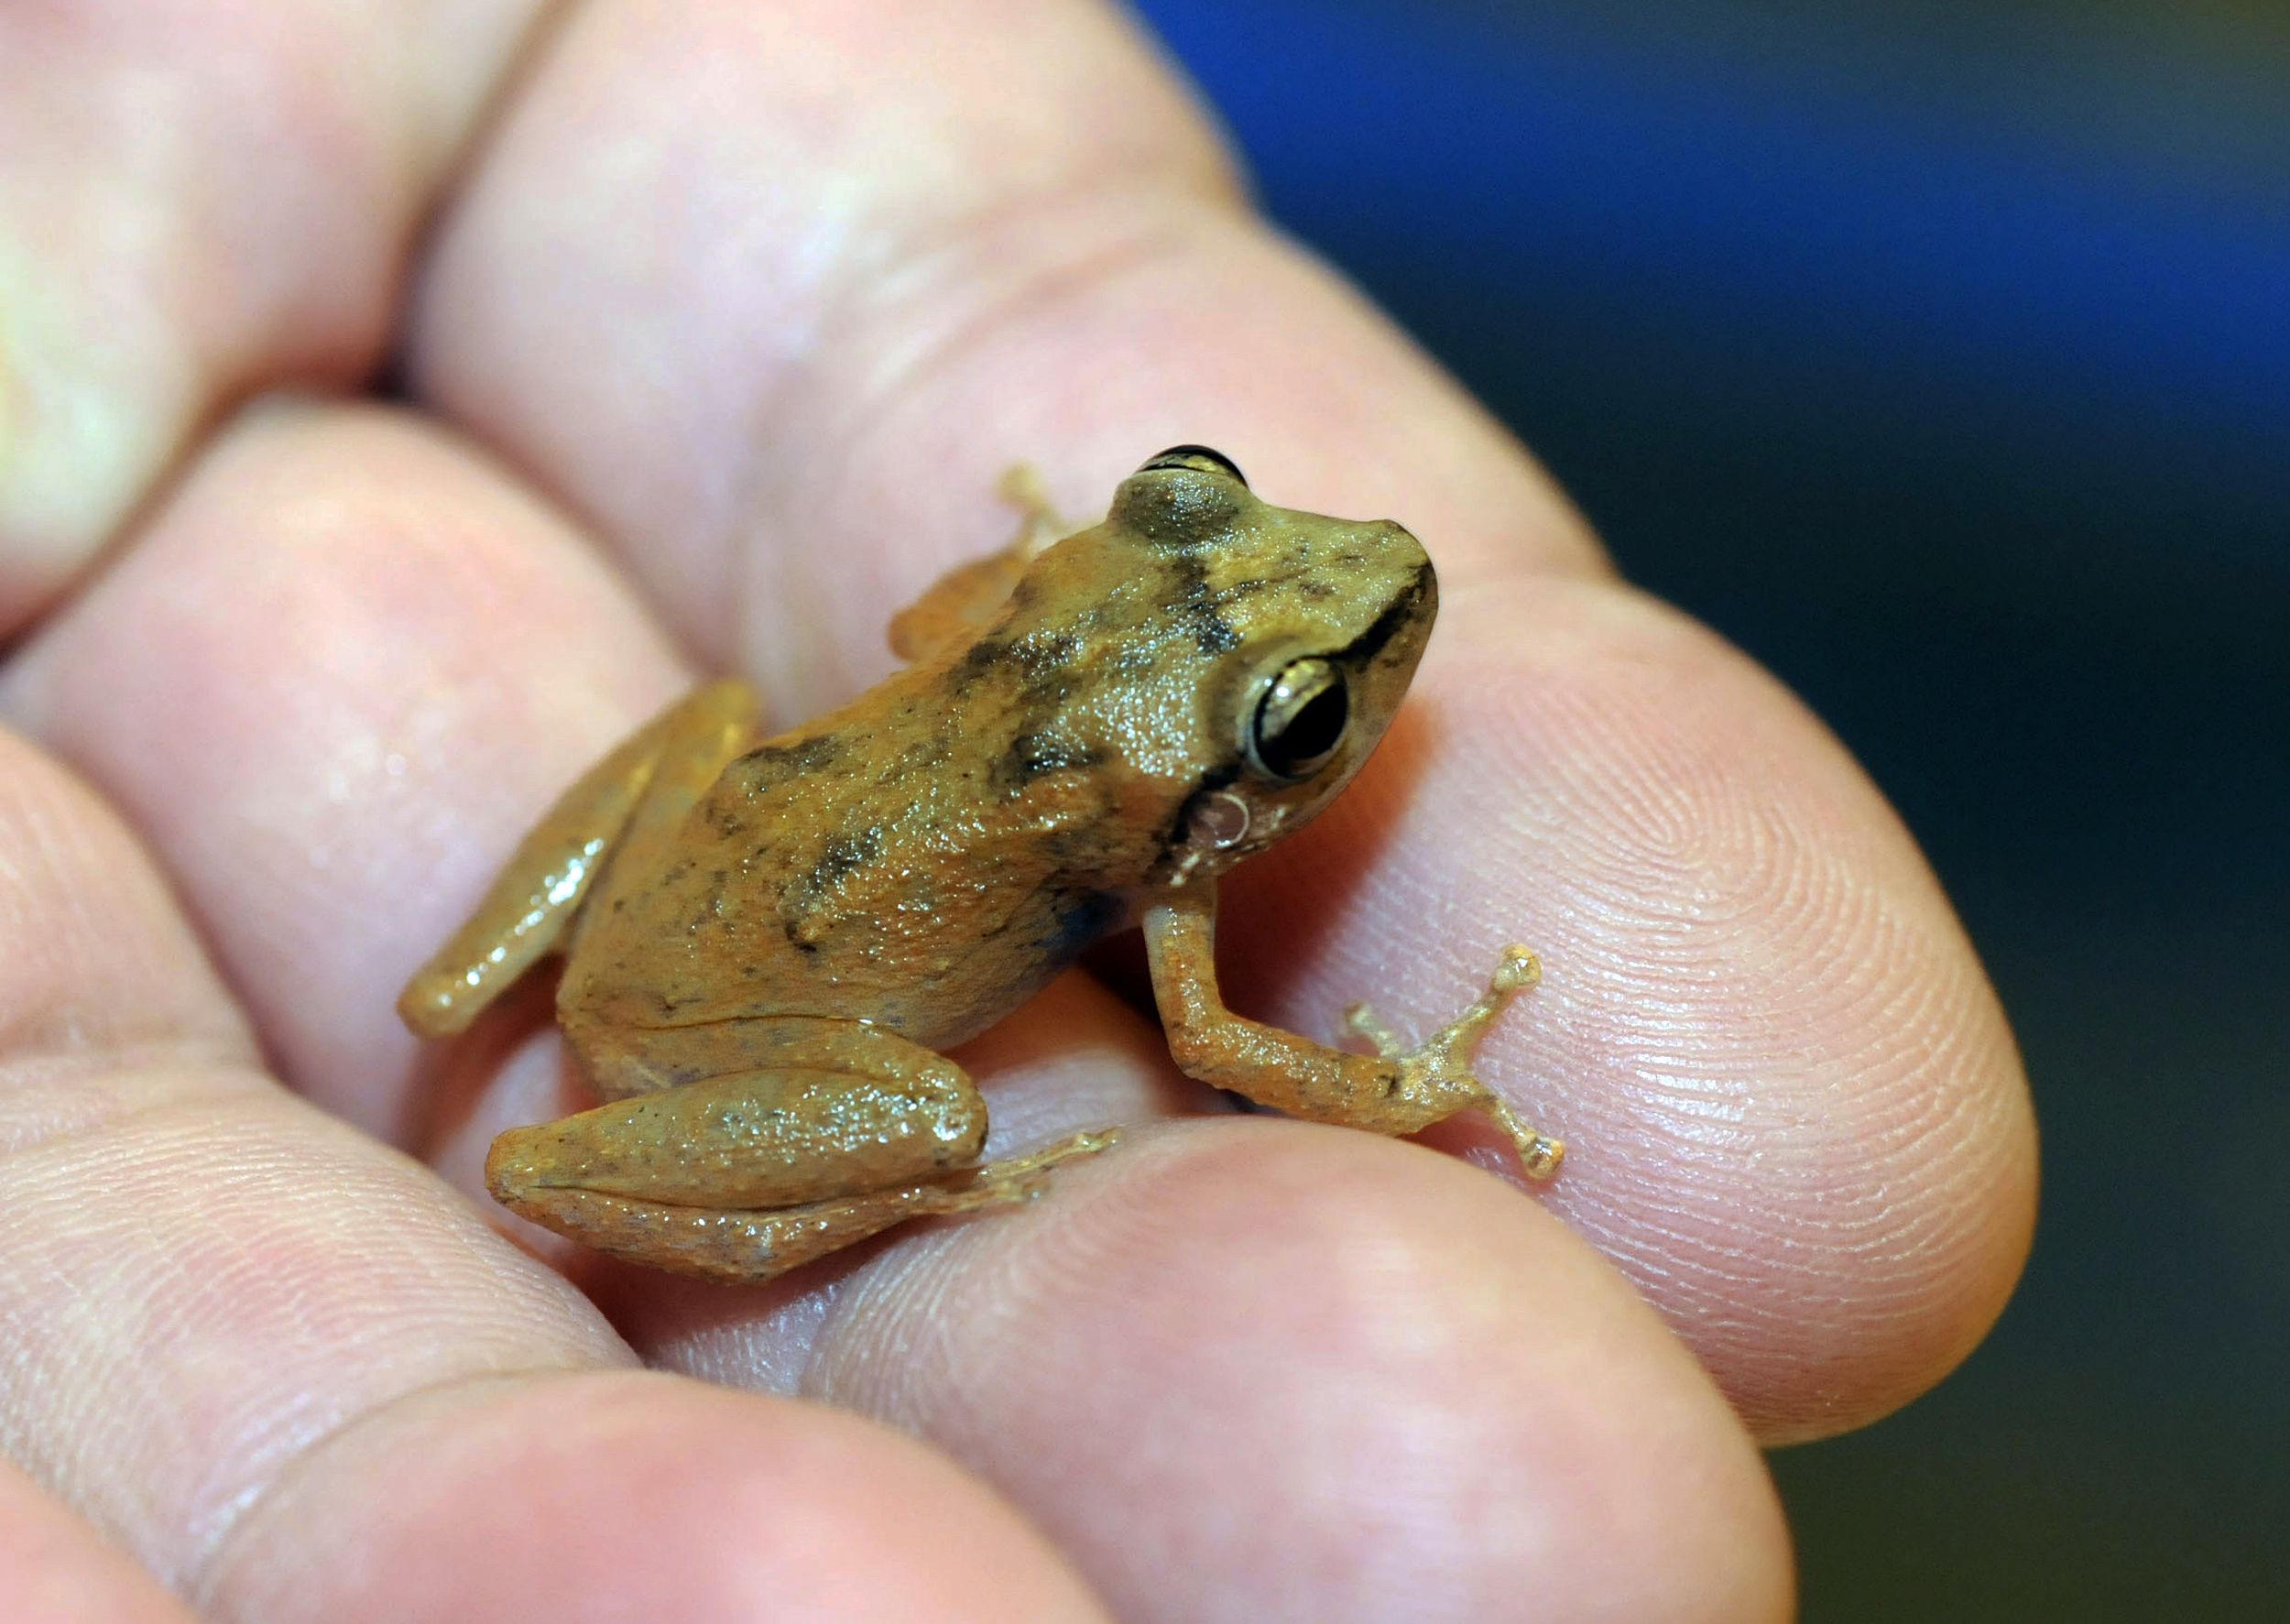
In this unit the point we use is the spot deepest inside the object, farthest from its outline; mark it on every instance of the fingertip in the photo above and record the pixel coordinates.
(55, 1569)
(1796, 1116)
(343, 664)
(1326, 1376)
(566, 1499)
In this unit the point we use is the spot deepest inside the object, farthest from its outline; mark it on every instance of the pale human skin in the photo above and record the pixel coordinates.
(767, 942)
(704, 355)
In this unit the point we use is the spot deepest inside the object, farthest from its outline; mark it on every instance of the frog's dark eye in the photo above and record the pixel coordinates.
(1300, 721)
(1200, 458)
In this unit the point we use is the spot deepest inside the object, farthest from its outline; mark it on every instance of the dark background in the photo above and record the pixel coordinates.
(1940, 354)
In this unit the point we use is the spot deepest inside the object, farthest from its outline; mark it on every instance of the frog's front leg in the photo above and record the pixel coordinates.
(959, 602)
(840, 1131)
(1396, 1090)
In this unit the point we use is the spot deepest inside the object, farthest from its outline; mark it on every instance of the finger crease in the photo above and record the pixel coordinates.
(56, 1099)
(201, 1576)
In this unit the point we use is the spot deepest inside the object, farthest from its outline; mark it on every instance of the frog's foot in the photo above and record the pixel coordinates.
(755, 1244)
(962, 602)
(1022, 488)
(1021, 1178)
(1439, 1069)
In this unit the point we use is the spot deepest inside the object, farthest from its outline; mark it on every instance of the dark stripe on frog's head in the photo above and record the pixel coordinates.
(1198, 606)
(1385, 626)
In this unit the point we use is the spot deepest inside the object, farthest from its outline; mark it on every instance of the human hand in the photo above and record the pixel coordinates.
(715, 324)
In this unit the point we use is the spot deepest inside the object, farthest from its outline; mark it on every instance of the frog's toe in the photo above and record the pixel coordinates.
(1521, 968)
(1539, 1153)
(1029, 1168)
(1361, 1021)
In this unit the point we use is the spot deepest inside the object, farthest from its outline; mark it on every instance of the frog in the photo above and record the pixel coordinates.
(768, 942)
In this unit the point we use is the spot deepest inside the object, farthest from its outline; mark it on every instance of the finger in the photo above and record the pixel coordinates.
(200, 198)
(1321, 1376)
(1795, 1117)
(333, 611)
(294, 1377)
(1830, 1223)
(782, 331)
(55, 1570)
(663, 1498)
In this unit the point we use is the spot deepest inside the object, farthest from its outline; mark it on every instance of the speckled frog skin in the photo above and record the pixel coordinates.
(766, 942)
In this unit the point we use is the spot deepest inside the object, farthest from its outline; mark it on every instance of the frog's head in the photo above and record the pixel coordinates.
(1301, 633)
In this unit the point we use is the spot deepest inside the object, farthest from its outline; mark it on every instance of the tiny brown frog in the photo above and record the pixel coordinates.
(768, 942)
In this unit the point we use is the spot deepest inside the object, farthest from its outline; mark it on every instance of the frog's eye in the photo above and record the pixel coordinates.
(1201, 459)
(1300, 721)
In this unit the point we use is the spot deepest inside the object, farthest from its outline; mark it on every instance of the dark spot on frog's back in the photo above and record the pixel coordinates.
(806, 906)
(1029, 654)
(914, 764)
(1042, 650)
(769, 766)
(981, 657)
(843, 855)
(1039, 662)
(1032, 756)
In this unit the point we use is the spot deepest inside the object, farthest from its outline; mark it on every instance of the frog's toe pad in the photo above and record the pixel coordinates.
(1519, 969)
(1540, 1156)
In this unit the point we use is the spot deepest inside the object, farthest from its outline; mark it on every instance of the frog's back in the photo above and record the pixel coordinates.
(863, 868)
(931, 853)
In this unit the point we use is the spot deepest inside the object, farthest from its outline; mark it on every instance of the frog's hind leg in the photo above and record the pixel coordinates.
(630, 798)
(827, 1131)
(755, 1244)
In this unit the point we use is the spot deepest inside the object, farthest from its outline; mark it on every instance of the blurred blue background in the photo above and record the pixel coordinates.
(1939, 354)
